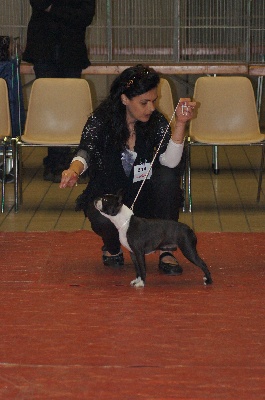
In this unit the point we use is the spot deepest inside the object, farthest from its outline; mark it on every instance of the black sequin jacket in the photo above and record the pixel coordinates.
(106, 173)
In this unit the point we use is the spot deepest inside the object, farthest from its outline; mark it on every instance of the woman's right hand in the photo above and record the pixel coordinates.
(69, 178)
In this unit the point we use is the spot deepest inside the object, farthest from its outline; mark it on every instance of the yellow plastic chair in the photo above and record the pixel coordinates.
(226, 116)
(5, 132)
(165, 103)
(57, 112)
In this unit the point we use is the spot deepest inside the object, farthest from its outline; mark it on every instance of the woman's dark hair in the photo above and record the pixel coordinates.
(132, 82)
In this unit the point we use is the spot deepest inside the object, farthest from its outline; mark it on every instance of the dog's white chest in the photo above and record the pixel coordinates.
(122, 221)
(123, 235)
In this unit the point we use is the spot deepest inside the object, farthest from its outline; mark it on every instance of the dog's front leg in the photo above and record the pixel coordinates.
(138, 260)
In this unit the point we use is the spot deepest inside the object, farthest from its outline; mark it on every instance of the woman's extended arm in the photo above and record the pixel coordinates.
(184, 112)
(87, 147)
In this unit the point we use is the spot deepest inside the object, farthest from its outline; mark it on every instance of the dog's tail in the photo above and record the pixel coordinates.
(187, 243)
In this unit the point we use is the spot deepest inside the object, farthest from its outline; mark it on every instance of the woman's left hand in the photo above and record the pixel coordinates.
(184, 113)
(184, 109)
(69, 178)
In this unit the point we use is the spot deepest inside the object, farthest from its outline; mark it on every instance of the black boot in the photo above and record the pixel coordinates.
(112, 261)
(168, 268)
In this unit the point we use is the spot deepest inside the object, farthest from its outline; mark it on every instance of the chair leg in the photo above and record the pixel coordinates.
(261, 173)
(215, 160)
(20, 173)
(184, 178)
(16, 173)
(184, 189)
(189, 176)
(3, 177)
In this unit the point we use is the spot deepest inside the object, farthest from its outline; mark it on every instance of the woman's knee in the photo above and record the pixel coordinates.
(166, 177)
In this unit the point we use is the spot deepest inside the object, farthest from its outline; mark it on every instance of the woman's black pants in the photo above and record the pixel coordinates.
(162, 200)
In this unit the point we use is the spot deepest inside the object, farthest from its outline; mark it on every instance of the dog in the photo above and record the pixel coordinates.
(143, 236)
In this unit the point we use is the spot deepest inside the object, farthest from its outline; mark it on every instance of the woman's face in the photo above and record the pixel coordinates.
(140, 108)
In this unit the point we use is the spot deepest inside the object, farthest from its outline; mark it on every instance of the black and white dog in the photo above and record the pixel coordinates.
(143, 236)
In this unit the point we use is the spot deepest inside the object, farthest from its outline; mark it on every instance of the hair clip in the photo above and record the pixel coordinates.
(139, 74)
(129, 83)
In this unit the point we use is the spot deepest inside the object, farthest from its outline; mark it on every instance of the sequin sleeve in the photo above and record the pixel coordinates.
(90, 147)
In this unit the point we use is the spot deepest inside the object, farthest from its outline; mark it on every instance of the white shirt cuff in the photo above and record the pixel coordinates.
(83, 161)
(172, 156)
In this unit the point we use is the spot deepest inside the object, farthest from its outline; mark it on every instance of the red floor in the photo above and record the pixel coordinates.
(73, 329)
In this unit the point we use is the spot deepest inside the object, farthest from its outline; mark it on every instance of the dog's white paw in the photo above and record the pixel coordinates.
(138, 282)
(207, 281)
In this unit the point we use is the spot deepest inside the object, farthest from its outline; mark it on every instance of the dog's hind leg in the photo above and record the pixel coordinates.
(140, 270)
(187, 245)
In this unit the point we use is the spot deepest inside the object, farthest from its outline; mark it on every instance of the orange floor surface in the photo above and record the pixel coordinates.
(71, 328)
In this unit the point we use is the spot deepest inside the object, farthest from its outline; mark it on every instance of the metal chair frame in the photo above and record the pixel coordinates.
(5, 133)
